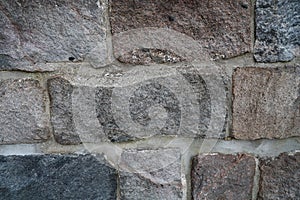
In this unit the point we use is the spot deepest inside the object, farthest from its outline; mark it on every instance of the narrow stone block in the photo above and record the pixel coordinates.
(23, 117)
(41, 31)
(280, 177)
(277, 30)
(151, 174)
(219, 176)
(60, 92)
(266, 103)
(57, 177)
(221, 30)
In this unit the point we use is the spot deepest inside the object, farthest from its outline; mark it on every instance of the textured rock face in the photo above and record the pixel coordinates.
(149, 56)
(266, 103)
(222, 29)
(60, 92)
(34, 31)
(221, 176)
(280, 177)
(22, 112)
(56, 177)
(277, 31)
(138, 104)
(151, 174)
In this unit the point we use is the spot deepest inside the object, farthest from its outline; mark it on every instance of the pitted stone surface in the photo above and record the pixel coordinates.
(280, 177)
(277, 30)
(266, 103)
(148, 56)
(220, 176)
(151, 174)
(223, 29)
(57, 177)
(35, 31)
(22, 112)
(60, 92)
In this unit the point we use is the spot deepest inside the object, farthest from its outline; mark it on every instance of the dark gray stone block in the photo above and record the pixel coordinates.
(220, 176)
(41, 31)
(277, 30)
(56, 177)
(280, 177)
(23, 116)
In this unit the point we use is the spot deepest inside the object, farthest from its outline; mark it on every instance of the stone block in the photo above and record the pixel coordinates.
(219, 176)
(57, 177)
(279, 177)
(35, 31)
(188, 29)
(140, 103)
(23, 116)
(266, 102)
(151, 174)
(277, 30)
(60, 92)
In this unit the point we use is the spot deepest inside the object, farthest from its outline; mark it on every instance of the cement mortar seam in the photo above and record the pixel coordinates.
(255, 188)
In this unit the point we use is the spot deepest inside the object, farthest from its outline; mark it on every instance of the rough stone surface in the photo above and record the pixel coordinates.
(22, 112)
(60, 92)
(277, 30)
(149, 56)
(56, 177)
(223, 29)
(220, 176)
(266, 103)
(35, 31)
(140, 103)
(280, 177)
(151, 174)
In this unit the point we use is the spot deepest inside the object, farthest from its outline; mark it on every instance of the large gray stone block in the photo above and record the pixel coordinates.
(140, 103)
(23, 116)
(151, 175)
(266, 103)
(280, 177)
(277, 30)
(41, 31)
(56, 177)
(219, 176)
(189, 29)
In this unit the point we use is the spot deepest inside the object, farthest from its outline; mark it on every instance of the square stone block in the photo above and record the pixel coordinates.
(219, 176)
(23, 117)
(266, 103)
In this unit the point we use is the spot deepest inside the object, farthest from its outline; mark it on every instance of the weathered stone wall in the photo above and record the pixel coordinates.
(149, 99)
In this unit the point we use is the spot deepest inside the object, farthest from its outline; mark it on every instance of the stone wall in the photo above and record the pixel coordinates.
(149, 99)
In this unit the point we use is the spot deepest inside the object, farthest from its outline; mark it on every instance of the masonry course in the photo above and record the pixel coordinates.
(115, 99)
